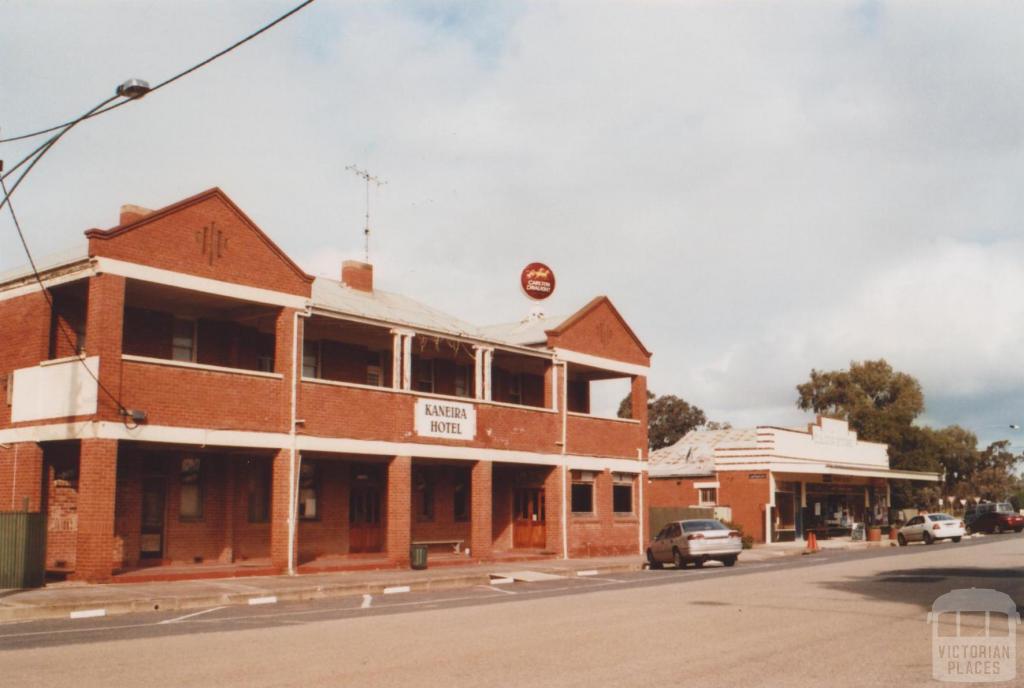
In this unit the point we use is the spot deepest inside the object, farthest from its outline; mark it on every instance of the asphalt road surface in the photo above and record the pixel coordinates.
(831, 619)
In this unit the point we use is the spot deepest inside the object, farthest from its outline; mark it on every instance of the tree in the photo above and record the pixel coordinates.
(668, 418)
(878, 402)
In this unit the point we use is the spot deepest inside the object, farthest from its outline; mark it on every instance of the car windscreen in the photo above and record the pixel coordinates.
(941, 517)
(696, 526)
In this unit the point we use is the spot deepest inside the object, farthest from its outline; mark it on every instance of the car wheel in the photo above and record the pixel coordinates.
(928, 539)
(998, 529)
(652, 563)
(677, 557)
(1017, 530)
(956, 539)
(729, 561)
(699, 563)
(901, 540)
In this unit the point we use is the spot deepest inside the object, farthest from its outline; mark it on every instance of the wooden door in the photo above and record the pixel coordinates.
(365, 531)
(528, 527)
(151, 542)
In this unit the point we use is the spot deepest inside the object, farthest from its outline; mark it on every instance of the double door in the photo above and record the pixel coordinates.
(528, 526)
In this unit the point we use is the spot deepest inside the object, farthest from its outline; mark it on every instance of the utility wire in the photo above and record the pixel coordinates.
(177, 76)
(49, 300)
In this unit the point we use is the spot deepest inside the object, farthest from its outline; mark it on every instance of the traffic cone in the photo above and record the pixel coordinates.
(812, 543)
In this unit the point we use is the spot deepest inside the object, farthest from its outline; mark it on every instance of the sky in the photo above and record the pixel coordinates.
(761, 188)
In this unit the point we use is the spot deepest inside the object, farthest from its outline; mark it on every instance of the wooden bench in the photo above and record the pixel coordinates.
(455, 543)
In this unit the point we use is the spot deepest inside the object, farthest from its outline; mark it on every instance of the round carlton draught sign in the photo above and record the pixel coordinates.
(538, 281)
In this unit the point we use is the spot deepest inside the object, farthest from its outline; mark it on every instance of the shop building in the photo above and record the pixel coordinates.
(780, 483)
(192, 400)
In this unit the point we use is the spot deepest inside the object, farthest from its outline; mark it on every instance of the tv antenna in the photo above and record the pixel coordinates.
(367, 177)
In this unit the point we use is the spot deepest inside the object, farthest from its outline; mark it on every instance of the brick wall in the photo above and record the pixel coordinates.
(95, 550)
(604, 532)
(29, 347)
(598, 330)
(747, 498)
(599, 437)
(397, 508)
(61, 476)
(21, 476)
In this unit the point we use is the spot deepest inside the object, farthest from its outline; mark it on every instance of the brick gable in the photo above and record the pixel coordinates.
(599, 330)
(206, 235)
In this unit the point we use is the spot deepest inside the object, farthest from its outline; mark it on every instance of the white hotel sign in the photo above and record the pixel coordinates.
(446, 419)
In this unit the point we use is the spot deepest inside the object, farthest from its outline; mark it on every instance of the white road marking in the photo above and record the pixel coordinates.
(269, 599)
(396, 589)
(88, 613)
(189, 616)
(502, 581)
(533, 576)
(590, 572)
(367, 600)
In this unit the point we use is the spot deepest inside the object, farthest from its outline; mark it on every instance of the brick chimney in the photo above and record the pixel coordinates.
(131, 213)
(357, 275)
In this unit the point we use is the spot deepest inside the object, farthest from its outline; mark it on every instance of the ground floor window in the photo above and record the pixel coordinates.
(191, 504)
(622, 493)
(582, 495)
(259, 491)
(460, 496)
(423, 495)
(309, 488)
(707, 496)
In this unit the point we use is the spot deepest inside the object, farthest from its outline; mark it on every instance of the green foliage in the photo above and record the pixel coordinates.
(747, 540)
(881, 404)
(668, 418)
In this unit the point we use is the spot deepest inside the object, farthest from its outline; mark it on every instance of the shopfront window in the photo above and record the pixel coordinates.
(582, 492)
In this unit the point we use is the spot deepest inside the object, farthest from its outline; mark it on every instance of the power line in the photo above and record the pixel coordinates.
(49, 300)
(179, 75)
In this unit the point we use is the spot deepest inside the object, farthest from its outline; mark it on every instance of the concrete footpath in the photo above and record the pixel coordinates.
(83, 600)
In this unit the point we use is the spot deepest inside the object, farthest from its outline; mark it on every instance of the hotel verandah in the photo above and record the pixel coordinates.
(287, 419)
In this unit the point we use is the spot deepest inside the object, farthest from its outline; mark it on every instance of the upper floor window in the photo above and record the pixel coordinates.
(374, 370)
(463, 381)
(183, 345)
(515, 388)
(311, 359)
(423, 378)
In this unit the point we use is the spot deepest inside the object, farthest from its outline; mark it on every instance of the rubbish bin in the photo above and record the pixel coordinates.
(418, 557)
(22, 550)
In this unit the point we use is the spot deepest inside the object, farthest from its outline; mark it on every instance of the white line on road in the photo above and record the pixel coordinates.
(367, 600)
(502, 581)
(88, 613)
(589, 572)
(269, 599)
(189, 616)
(396, 589)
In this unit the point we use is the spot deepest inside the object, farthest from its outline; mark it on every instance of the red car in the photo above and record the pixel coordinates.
(996, 518)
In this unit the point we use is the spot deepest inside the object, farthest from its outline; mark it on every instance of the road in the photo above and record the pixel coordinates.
(831, 619)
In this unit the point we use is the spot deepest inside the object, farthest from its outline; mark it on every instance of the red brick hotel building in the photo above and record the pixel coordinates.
(194, 401)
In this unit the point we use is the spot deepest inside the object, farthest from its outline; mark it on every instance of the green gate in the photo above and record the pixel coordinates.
(22, 549)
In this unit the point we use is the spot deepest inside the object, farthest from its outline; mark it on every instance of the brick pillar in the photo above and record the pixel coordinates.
(228, 552)
(104, 328)
(554, 503)
(280, 508)
(97, 483)
(481, 510)
(284, 359)
(638, 400)
(399, 509)
(21, 477)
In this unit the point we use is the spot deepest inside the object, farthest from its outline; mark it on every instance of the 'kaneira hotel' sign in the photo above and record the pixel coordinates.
(447, 419)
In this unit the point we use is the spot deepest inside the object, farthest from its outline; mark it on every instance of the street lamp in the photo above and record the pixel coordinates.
(133, 89)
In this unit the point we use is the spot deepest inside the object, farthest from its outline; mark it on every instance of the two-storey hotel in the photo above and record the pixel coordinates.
(185, 397)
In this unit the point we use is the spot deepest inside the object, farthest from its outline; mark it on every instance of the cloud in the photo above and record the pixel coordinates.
(760, 188)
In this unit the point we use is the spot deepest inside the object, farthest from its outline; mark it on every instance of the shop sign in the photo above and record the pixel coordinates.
(445, 419)
(537, 281)
(757, 476)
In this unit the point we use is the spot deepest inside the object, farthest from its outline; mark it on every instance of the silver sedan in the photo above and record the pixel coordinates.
(696, 541)
(931, 527)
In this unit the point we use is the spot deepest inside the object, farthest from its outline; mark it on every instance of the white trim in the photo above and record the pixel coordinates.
(31, 286)
(181, 280)
(199, 366)
(66, 359)
(611, 418)
(825, 469)
(601, 362)
(431, 395)
(706, 485)
(165, 434)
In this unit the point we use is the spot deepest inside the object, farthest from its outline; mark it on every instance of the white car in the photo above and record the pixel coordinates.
(931, 527)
